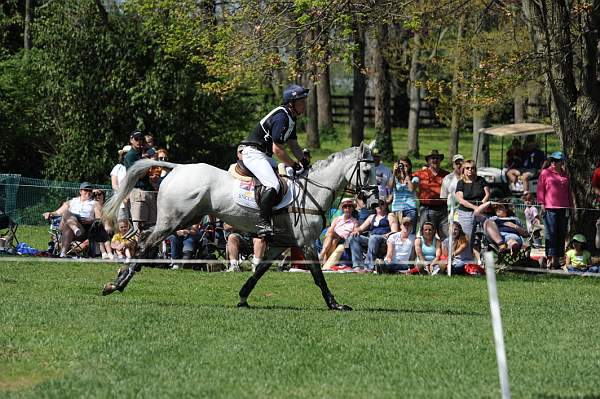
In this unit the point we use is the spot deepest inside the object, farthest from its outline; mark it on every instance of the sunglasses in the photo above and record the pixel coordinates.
(346, 206)
(469, 168)
(87, 190)
(163, 158)
(458, 162)
(138, 138)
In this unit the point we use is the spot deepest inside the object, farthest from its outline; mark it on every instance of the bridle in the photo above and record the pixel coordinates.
(298, 208)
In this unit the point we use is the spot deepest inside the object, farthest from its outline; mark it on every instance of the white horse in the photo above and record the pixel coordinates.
(192, 191)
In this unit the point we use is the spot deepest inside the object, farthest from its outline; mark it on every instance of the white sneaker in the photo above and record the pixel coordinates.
(235, 269)
(436, 270)
(176, 267)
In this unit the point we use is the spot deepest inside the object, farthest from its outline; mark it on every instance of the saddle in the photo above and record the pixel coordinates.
(241, 172)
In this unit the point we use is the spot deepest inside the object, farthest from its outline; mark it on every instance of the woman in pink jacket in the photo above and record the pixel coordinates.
(554, 194)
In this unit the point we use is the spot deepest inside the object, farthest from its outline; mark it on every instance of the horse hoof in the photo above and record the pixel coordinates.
(341, 308)
(108, 289)
(243, 305)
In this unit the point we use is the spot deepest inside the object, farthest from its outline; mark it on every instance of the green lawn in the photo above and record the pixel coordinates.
(429, 139)
(178, 334)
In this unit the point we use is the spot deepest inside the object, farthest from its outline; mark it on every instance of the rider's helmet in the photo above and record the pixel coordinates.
(294, 92)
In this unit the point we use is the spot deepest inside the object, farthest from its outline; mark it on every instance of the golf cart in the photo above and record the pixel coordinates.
(496, 176)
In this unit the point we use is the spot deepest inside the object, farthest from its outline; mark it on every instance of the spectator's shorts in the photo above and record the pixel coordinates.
(511, 236)
(246, 245)
(143, 206)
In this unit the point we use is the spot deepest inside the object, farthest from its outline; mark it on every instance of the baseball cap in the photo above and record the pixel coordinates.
(557, 155)
(579, 238)
(458, 157)
(86, 186)
(136, 134)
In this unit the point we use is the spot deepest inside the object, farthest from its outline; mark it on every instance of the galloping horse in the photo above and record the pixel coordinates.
(192, 191)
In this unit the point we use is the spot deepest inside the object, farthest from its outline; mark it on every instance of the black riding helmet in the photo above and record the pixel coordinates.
(294, 92)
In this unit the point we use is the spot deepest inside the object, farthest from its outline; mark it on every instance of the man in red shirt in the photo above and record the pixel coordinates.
(433, 208)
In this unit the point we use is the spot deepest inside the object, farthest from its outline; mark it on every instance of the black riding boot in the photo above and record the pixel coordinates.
(264, 228)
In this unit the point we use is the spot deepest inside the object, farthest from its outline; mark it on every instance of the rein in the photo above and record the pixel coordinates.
(299, 208)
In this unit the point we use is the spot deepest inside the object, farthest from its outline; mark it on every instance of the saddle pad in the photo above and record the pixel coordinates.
(243, 194)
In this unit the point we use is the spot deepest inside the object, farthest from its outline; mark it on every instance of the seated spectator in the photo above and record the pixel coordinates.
(400, 250)
(428, 249)
(514, 162)
(579, 259)
(238, 244)
(124, 247)
(379, 225)
(461, 251)
(533, 159)
(184, 244)
(340, 229)
(101, 232)
(77, 216)
(505, 229)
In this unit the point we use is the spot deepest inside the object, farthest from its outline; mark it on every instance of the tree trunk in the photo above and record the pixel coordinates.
(575, 92)
(414, 94)
(381, 77)
(324, 100)
(456, 108)
(357, 120)
(481, 143)
(312, 125)
(518, 106)
(534, 101)
(29, 4)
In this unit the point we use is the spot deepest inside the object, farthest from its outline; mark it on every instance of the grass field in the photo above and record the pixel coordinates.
(178, 334)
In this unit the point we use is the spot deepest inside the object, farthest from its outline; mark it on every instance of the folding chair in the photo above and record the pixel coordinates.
(8, 238)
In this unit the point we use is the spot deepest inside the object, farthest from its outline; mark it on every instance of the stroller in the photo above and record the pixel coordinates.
(8, 234)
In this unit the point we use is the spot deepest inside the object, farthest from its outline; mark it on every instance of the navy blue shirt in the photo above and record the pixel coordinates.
(534, 159)
(278, 126)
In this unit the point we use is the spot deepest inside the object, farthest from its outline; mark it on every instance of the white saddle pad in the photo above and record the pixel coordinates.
(243, 194)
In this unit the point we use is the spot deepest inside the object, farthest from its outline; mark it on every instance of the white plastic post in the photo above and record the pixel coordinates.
(490, 272)
(450, 221)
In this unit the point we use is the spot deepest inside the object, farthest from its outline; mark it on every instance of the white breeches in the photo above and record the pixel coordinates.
(262, 166)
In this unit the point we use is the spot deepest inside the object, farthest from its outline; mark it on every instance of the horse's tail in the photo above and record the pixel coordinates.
(134, 173)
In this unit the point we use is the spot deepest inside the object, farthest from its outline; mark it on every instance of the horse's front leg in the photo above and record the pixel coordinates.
(259, 271)
(317, 274)
(126, 273)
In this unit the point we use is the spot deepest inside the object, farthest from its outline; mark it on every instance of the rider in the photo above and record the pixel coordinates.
(272, 132)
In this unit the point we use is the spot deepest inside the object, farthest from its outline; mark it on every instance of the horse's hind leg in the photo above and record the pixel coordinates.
(126, 273)
(317, 274)
(261, 269)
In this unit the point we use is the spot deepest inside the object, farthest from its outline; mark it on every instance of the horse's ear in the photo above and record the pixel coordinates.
(372, 145)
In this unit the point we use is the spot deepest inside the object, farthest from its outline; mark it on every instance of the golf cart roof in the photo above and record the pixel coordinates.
(517, 129)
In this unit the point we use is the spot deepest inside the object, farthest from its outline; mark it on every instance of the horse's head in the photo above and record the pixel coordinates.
(362, 175)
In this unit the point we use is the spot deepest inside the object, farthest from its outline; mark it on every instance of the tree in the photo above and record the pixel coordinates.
(359, 86)
(570, 68)
(381, 78)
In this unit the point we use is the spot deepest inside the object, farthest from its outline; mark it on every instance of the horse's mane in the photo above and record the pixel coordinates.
(326, 162)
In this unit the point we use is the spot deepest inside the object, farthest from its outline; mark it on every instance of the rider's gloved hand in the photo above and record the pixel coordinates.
(298, 169)
(305, 162)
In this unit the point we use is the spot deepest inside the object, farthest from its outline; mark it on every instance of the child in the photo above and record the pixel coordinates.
(532, 219)
(461, 250)
(123, 247)
(579, 259)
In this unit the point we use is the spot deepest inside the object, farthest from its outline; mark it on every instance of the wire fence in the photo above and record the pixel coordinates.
(24, 199)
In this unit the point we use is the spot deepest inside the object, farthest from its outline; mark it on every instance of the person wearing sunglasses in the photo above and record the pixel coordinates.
(433, 208)
(142, 197)
(450, 181)
(471, 191)
(339, 231)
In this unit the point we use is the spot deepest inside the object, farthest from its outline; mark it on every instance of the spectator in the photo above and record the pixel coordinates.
(554, 195)
(433, 208)
(504, 229)
(400, 250)
(382, 173)
(514, 162)
(532, 218)
(403, 185)
(123, 247)
(78, 215)
(471, 191)
(363, 210)
(380, 225)
(461, 251)
(100, 234)
(117, 174)
(340, 229)
(533, 159)
(451, 179)
(143, 196)
(184, 244)
(163, 155)
(428, 249)
(579, 259)
(238, 244)
(149, 149)
(596, 188)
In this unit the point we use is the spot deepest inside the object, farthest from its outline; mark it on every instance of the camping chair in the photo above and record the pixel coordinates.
(80, 247)
(506, 260)
(8, 238)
